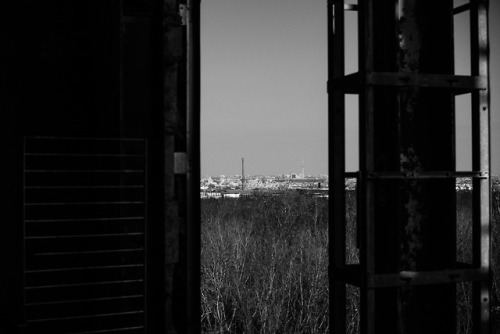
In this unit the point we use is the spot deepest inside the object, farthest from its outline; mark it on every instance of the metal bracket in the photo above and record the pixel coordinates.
(424, 175)
(183, 13)
(459, 84)
(180, 163)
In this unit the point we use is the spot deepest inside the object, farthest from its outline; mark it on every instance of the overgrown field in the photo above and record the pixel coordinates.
(264, 264)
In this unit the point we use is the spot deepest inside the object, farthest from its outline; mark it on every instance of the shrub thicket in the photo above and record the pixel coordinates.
(264, 263)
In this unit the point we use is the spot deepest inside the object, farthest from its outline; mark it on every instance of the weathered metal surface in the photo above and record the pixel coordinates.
(366, 203)
(459, 84)
(353, 275)
(336, 140)
(416, 134)
(481, 200)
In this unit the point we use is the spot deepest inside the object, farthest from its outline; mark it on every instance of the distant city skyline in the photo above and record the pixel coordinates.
(263, 92)
(296, 170)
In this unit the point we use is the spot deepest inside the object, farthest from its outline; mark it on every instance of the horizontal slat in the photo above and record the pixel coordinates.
(128, 250)
(81, 220)
(88, 276)
(86, 187)
(68, 292)
(84, 194)
(83, 139)
(84, 316)
(101, 322)
(95, 306)
(126, 330)
(83, 244)
(83, 260)
(79, 285)
(85, 203)
(83, 300)
(82, 212)
(114, 235)
(80, 145)
(84, 162)
(83, 179)
(83, 268)
(84, 227)
(77, 171)
(84, 155)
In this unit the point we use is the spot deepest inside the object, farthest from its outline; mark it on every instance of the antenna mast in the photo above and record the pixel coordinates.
(242, 173)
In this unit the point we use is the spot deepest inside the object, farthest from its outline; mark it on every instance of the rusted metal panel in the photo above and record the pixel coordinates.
(480, 161)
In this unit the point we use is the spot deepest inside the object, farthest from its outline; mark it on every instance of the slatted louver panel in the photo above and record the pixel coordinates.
(84, 232)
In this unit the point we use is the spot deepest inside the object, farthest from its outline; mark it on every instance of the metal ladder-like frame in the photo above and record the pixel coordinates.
(363, 83)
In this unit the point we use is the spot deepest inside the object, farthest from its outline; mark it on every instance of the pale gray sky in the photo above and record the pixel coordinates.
(264, 72)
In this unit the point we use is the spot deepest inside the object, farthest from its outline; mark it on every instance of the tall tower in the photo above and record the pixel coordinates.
(242, 173)
(303, 174)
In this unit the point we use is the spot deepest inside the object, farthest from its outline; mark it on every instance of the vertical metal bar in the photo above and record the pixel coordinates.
(336, 135)
(193, 167)
(146, 237)
(480, 162)
(366, 163)
(23, 255)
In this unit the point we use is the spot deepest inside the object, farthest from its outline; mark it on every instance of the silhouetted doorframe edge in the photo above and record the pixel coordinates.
(193, 216)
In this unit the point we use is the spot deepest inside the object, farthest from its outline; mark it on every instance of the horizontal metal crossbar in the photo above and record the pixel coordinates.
(425, 175)
(418, 175)
(457, 10)
(354, 276)
(459, 84)
(461, 9)
(351, 7)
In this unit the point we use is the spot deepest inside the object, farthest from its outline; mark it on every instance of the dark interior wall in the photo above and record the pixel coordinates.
(59, 76)
(60, 67)
(94, 69)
